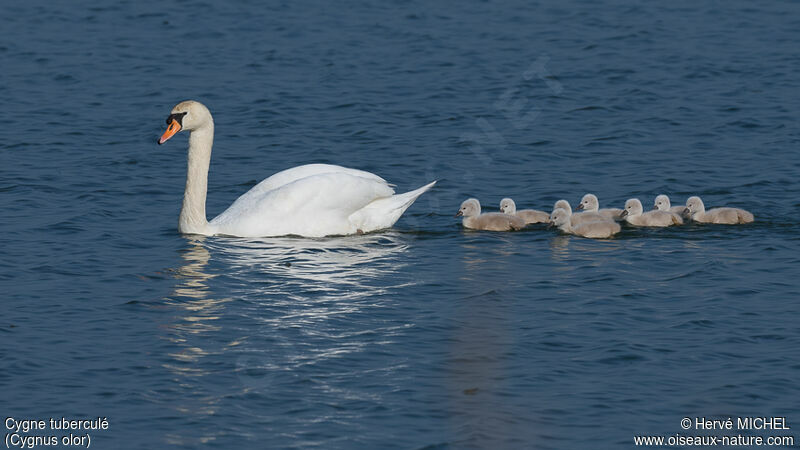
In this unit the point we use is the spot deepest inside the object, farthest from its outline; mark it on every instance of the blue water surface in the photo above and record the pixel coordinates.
(426, 335)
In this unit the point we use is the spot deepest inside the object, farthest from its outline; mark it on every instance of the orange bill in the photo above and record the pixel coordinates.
(172, 130)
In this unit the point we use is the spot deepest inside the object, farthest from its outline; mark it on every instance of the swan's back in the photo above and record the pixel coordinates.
(287, 176)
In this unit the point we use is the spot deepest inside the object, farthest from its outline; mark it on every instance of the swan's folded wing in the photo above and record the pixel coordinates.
(340, 193)
(316, 205)
(287, 176)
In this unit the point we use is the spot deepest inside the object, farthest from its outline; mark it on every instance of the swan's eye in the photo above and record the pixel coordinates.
(177, 116)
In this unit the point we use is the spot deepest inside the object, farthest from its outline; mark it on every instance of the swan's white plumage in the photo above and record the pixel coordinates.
(296, 173)
(313, 200)
(317, 205)
(384, 212)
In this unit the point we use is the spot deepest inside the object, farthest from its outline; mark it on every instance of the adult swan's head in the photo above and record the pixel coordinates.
(189, 115)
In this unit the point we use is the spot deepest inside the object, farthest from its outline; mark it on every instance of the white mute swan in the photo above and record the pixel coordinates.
(729, 216)
(589, 203)
(596, 230)
(473, 219)
(634, 214)
(313, 200)
(528, 215)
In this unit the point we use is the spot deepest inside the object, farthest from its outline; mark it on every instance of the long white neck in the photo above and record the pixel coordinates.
(193, 213)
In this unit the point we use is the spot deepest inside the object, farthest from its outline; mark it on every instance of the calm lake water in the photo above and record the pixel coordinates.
(426, 335)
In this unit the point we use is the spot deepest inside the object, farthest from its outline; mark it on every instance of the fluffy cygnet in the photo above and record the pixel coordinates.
(634, 214)
(473, 219)
(698, 213)
(589, 203)
(597, 230)
(662, 203)
(577, 219)
(563, 204)
(508, 206)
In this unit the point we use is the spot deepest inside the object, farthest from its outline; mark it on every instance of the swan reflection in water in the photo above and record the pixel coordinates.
(265, 307)
(283, 271)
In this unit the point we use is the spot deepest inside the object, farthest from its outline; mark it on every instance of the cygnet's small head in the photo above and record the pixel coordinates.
(695, 205)
(508, 206)
(633, 207)
(559, 217)
(470, 208)
(589, 202)
(188, 115)
(563, 204)
(662, 203)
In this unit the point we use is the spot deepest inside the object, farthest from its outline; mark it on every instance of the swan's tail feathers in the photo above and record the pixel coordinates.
(405, 200)
(384, 212)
